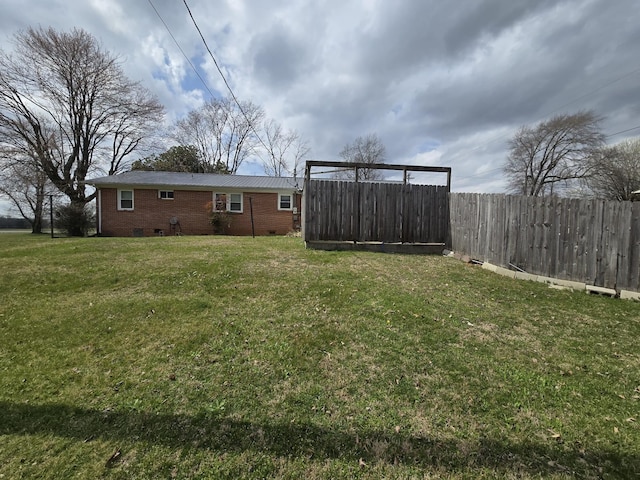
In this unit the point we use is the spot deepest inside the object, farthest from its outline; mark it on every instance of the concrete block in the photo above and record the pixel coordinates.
(559, 287)
(506, 272)
(630, 295)
(466, 259)
(543, 279)
(526, 276)
(489, 266)
(569, 283)
(601, 290)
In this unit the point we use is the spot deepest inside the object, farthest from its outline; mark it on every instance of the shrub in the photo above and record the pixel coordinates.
(219, 219)
(75, 219)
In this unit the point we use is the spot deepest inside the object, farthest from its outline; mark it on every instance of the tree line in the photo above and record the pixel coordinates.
(7, 222)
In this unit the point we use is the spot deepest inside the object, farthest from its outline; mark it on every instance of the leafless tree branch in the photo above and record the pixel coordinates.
(552, 153)
(222, 132)
(67, 102)
(368, 149)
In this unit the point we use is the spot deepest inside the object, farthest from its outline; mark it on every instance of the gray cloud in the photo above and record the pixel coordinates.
(439, 82)
(279, 57)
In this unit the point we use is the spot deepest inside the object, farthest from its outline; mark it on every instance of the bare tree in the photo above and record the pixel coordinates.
(67, 102)
(223, 132)
(285, 150)
(364, 150)
(552, 153)
(615, 171)
(25, 184)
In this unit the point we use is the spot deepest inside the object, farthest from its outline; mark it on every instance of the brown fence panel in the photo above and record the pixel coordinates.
(592, 241)
(375, 212)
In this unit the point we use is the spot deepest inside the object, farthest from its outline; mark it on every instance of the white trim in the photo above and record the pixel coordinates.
(166, 191)
(241, 202)
(291, 205)
(119, 205)
(228, 202)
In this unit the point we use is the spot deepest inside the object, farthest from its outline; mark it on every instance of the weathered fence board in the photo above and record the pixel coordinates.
(592, 241)
(375, 212)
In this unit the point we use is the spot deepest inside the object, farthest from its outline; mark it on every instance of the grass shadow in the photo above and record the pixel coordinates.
(312, 442)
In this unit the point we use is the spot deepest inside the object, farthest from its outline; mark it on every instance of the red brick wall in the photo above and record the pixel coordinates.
(267, 219)
(151, 213)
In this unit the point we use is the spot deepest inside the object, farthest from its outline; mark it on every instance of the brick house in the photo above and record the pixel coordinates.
(141, 203)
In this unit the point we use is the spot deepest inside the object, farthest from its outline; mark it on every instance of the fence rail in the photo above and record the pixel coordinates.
(592, 241)
(375, 212)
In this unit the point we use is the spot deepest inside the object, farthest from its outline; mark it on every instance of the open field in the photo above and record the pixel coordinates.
(218, 357)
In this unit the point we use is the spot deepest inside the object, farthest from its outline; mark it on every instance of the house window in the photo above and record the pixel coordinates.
(219, 202)
(229, 202)
(125, 199)
(285, 201)
(165, 194)
(235, 202)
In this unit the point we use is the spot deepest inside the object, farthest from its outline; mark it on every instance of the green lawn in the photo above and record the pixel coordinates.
(219, 357)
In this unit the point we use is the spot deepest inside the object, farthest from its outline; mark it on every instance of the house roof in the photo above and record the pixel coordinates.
(141, 178)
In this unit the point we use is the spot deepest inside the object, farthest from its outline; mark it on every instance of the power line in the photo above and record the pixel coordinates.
(181, 50)
(223, 77)
(602, 87)
(622, 131)
(337, 170)
(211, 53)
(202, 80)
(494, 170)
(480, 175)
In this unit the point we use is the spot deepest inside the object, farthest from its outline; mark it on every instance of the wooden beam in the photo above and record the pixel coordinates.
(377, 166)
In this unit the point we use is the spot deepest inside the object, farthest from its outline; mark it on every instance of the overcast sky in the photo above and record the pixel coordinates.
(443, 83)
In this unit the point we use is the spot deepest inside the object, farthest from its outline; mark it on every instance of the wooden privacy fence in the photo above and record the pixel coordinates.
(592, 241)
(375, 212)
